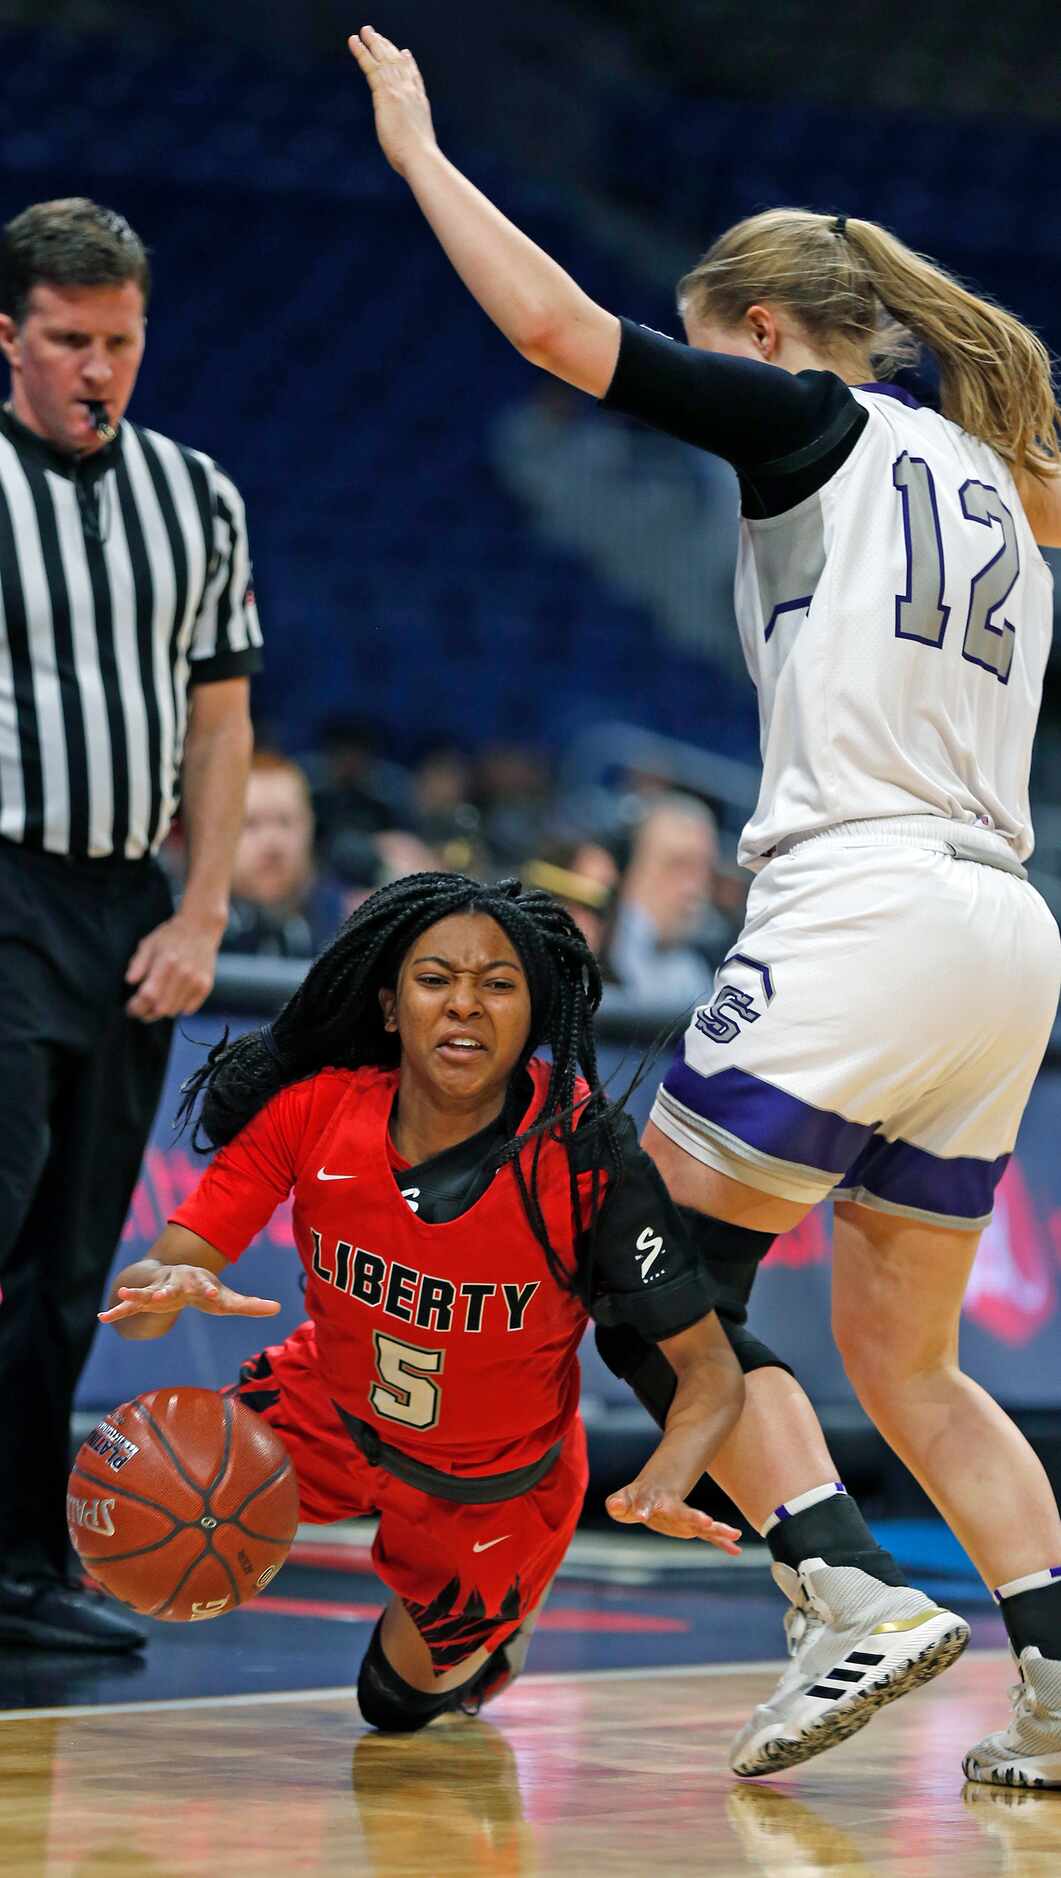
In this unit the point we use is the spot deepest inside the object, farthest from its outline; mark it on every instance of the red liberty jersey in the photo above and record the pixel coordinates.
(453, 1340)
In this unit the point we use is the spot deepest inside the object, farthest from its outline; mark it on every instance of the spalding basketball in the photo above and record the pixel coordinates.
(182, 1504)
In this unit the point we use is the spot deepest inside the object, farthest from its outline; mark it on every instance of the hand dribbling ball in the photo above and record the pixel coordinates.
(182, 1504)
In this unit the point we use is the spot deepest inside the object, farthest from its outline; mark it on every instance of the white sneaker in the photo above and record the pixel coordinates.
(855, 1644)
(1028, 1752)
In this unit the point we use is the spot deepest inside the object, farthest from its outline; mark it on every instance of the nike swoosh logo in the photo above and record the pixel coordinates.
(321, 1175)
(477, 1547)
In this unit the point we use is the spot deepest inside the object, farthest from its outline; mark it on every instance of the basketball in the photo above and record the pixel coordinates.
(182, 1504)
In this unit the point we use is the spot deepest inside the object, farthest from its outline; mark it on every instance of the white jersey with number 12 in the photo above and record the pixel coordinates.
(897, 626)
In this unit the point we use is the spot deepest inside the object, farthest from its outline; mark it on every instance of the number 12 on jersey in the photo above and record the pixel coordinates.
(921, 612)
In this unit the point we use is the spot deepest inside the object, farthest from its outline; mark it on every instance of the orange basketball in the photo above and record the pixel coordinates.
(183, 1504)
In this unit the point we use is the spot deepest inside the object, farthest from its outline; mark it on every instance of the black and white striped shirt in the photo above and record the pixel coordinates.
(125, 577)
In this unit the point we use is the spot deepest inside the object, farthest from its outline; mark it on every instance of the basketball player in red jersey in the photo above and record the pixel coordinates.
(460, 1207)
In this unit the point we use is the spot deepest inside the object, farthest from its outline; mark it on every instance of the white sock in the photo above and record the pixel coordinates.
(1032, 1581)
(801, 1503)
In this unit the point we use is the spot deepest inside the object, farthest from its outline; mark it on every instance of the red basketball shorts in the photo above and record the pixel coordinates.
(468, 1575)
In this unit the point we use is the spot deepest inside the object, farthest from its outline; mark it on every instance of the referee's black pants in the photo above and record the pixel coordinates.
(79, 1085)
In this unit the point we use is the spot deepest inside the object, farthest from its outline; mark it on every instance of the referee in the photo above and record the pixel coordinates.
(128, 633)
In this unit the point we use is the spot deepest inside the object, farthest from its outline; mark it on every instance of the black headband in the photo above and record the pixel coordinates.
(839, 225)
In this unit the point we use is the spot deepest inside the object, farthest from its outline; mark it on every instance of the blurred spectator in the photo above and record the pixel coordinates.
(400, 853)
(513, 791)
(360, 863)
(280, 908)
(442, 785)
(353, 785)
(668, 935)
(583, 876)
(444, 814)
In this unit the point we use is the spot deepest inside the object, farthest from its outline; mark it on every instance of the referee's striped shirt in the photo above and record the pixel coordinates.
(125, 578)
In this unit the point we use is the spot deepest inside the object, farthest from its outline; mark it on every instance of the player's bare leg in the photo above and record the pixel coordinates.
(778, 1450)
(408, 1654)
(399, 1690)
(858, 1637)
(898, 1287)
(505, 1663)
(897, 1293)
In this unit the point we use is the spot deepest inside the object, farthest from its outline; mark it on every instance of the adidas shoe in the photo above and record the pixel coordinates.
(855, 1644)
(1028, 1752)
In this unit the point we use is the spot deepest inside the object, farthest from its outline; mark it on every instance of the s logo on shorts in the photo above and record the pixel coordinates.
(715, 1023)
(721, 1020)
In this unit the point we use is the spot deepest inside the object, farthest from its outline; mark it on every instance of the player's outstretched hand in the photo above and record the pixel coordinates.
(403, 114)
(185, 1285)
(642, 1505)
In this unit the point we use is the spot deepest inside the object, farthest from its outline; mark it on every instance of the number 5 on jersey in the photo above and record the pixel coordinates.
(405, 1392)
(921, 612)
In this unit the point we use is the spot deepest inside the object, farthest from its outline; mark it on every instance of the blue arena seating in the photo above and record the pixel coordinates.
(307, 331)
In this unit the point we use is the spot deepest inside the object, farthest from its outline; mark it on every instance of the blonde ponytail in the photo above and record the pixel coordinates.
(859, 292)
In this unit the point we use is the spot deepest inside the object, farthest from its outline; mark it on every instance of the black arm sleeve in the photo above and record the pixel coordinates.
(646, 1272)
(785, 433)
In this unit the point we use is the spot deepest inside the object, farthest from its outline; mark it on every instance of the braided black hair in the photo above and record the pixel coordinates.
(334, 1020)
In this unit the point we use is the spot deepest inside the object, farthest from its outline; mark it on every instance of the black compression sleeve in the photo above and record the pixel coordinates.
(646, 1272)
(785, 433)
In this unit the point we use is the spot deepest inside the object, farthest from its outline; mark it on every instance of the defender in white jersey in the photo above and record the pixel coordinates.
(869, 614)
(876, 1030)
(896, 623)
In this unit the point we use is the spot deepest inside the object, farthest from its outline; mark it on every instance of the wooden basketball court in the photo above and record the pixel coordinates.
(610, 1773)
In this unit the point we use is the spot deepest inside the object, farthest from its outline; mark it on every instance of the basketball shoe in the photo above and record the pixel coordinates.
(47, 1612)
(854, 1645)
(1028, 1752)
(502, 1666)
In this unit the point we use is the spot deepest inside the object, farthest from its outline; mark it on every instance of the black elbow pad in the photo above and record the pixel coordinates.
(661, 1312)
(641, 1365)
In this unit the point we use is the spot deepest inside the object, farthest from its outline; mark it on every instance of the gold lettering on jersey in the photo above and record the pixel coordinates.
(409, 1296)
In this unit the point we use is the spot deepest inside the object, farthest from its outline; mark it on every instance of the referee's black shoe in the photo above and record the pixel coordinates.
(52, 1613)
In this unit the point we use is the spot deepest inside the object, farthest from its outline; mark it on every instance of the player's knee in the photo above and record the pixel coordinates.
(731, 1254)
(387, 1701)
(751, 1353)
(888, 1375)
(865, 1364)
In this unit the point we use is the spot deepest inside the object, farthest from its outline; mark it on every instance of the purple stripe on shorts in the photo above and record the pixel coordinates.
(768, 1118)
(776, 1123)
(959, 1187)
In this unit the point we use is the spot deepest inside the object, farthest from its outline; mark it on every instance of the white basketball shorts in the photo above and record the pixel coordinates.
(876, 1029)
